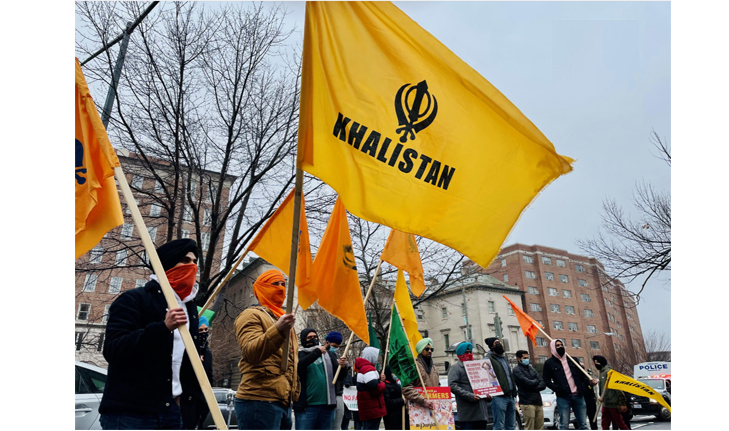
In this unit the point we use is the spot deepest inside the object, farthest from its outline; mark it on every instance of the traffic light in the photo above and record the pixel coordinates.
(498, 326)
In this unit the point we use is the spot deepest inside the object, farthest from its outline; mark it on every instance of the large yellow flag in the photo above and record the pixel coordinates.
(273, 243)
(401, 251)
(334, 275)
(97, 200)
(405, 307)
(412, 137)
(624, 383)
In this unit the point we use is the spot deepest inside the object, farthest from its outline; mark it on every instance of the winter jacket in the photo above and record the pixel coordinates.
(501, 375)
(556, 379)
(370, 391)
(138, 348)
(394, 404)
(307, 359)
(468, 409)
(429, 380)
(611, 398)
(261, 356)
(528, 383)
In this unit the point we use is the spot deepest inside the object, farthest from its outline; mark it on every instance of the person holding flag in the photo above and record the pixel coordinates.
(428, 372)
(613, 401)
(266, 393)
(472, 409)
(569, 383)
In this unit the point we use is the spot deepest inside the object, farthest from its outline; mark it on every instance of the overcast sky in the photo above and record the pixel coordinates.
(595, 78)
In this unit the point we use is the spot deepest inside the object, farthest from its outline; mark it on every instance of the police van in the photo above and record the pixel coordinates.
(658, 376)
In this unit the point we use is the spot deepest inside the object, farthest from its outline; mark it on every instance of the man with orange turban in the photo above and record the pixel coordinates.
(266, 392)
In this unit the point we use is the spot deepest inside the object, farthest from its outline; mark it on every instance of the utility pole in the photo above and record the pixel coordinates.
(469, 333)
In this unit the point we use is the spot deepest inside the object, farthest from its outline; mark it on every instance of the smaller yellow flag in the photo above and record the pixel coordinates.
(405, 307)
(401, 251)
(623, 383)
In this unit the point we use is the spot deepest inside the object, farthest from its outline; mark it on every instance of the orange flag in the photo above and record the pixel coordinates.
(402, 251)
(273, 242)
(334, 275)
(97, 200)
(528, 325)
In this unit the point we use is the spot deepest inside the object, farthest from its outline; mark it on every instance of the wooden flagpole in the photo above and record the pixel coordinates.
(170, 298)
(294, 256)
(220, 285)
(351, 334)
(568, 355)
(387, 349)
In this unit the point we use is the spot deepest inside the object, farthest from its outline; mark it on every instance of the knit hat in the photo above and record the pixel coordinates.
(600, 360)
(422, 343)
(490, 342)
(172, 253)
(461, 349)
(335, 337)
(305, 333)
(203, 321)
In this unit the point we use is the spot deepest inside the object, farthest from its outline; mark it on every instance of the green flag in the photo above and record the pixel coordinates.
(374, 342)
(401, 358)
(209, 314)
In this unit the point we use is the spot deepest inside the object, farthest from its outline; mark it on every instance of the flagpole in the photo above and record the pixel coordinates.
(425, 391)
(351, 334)
(294, 255)
(568, 355)
(169, 295)
(387, 349)
(222, 283)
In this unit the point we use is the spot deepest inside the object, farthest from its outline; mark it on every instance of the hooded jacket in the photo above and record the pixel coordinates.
(611, 398)
(309, 358)
(556, 379)
(529, 383)
(370, 391)
(429, 379)
(393, 402)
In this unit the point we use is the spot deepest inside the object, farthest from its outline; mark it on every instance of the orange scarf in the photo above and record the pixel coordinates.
(269, 295)
(182, 279)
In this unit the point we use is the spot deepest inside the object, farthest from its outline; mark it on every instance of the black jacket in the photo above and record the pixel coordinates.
(394, 403)
(556, 380)
(528, 383)
(308, 358)
(138, 348)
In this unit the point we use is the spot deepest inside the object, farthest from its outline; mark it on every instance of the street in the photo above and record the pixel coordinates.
(649, 423)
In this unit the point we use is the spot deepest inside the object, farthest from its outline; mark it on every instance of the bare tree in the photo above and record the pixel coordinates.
(658, 346)
(636, 247)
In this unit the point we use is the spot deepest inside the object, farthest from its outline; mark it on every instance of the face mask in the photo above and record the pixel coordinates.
(202, 339)
(560, 351)
(333, 349)
(311, 343)
(498, 349)
(466, 357)
(598, 366)
(182, 279)
(525, 361)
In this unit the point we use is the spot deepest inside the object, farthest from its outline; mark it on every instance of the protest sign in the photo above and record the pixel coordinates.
(482, 377)
(349, 396)
(422, 418)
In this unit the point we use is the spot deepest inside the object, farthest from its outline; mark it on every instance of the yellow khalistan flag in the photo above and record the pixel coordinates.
(405, 307)
(623, 383)
(97, 200)
(334, 275)
(273, 243)
(412, 137)
(401, 251)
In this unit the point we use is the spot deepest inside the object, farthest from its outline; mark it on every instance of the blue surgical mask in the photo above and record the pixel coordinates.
(525, 361)
(333, 349)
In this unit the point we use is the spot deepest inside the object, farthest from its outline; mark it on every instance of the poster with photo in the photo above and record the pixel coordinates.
(421, 418)
(482, 377)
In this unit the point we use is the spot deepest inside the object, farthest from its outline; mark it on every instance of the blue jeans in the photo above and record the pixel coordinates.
(315, 418)
(262, 415)
(167, 418)
(504, 408)
(577, 403)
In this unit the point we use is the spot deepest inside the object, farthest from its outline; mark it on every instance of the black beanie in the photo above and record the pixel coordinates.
(172, 253)
(490, 342)
(600, 360)
(304, 333)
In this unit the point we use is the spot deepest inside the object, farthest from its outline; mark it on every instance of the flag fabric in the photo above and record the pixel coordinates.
(334, 280)
(412, 137)
(374, 341)
(97, 200)
(529, 326)
(405, 305)
(208, 314)
(401, 358)
(273, 243)
(624, 383)
(401, 251)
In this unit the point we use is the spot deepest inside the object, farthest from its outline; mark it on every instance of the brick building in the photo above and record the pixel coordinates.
(574, 300)
(117, 263)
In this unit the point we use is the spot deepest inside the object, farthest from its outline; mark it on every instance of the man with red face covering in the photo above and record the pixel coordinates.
(473, 412)
(148, 367)
(266, 392)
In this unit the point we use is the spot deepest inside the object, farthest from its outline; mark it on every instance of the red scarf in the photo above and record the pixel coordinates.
(182, 279)
(466, 357)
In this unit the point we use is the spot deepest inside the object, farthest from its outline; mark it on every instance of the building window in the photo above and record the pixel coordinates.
(506, 278)
(509, 310)
(158, 187)
(582, 282)
(540, 323)
(579, 268)
(137, 181)
(444, 312)
(589, 313)
(566, 293)
(546, 260)
(154, 210)
(552, 291)
(527, 259)
(549, 276)
(572, 326)
(185, 233)
(557, 325)
(592, 329)
(585, 297)
(542, 359)
(531, 274)
(205, 240)
(492, 307)
(533, 290)
(115, 284)
(420, 314)
(96, 254)
(187, 215)
(595, 345)
(126, 232)
(560, 263)
(207, 217)
(90, 282)
(535, 307)
(140, 282)
(447, 340)
(121, 258)
(212, 192)
(541, 341)
(617, 347)
(576, 344)
(554, 308)
(503, 263)
(105, 318)
(100, 346)
(152, 232)
(568, 309)
(563, 278)
(83, 312)
(79, 340)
